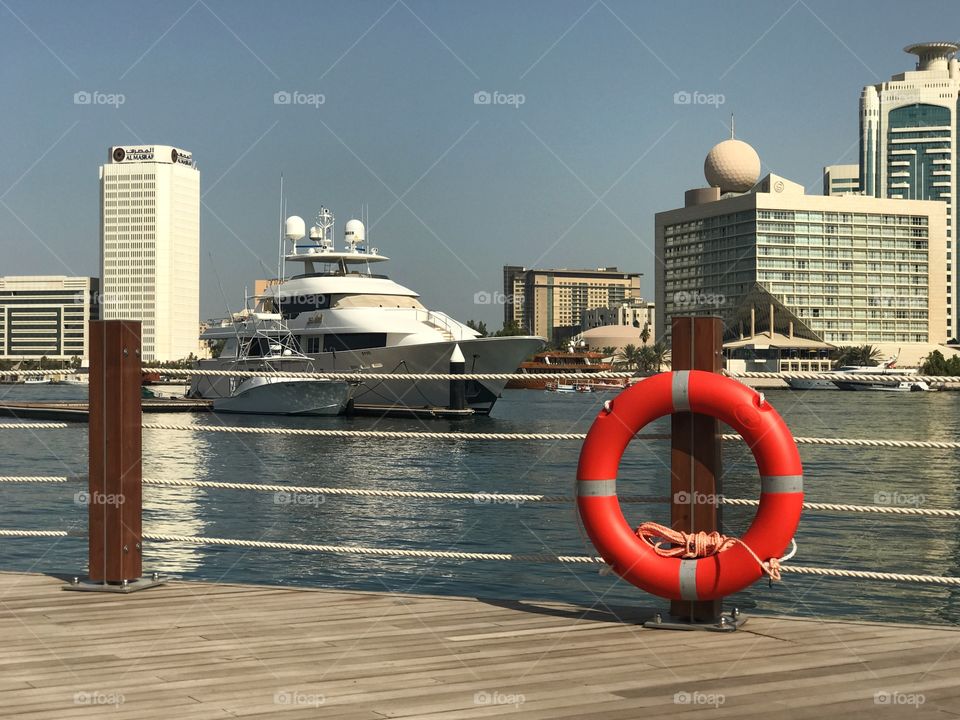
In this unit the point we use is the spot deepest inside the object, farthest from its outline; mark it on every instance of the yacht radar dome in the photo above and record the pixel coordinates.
(294, 228)
(354, 232)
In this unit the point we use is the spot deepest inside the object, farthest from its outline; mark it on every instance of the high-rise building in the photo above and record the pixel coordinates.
(150, 246)
(909, 141)
(636, 313)
(551, 303)
(47, 316)
(807, 269)
(841, 179)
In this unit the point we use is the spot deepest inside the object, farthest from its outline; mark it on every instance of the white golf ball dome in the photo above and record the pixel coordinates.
(732, 166)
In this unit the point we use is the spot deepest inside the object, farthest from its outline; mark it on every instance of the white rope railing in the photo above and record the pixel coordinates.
(33, 425)
(597, 375)
(362, 376)
(482, 497)
(418, 435)
(544, 375)
(35, 479)
(809, 375)
(455, 555)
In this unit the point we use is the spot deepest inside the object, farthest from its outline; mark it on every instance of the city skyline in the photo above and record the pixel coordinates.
(472, 149)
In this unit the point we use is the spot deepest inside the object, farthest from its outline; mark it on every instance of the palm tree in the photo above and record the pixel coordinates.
(645, 333)
(628, 357)
(661, 355)
(868, 355)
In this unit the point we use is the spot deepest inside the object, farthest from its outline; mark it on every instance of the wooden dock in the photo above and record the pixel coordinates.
(200, 650)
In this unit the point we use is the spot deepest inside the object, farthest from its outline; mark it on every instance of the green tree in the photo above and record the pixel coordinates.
(867, 355)
(661, 355)
(645, 333)
(628, 357)
(936, 364)
(509, 329)
(480, 327)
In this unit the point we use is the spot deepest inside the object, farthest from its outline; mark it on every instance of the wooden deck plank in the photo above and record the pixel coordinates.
(201, 650)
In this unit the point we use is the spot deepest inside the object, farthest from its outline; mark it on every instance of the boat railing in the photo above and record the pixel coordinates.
(442, 321)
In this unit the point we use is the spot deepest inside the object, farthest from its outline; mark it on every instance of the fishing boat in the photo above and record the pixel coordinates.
(269, 346)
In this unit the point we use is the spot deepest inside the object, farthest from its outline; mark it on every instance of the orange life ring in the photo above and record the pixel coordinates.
(781, 475)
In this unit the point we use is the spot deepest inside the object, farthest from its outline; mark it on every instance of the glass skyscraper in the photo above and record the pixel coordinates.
(909, 142)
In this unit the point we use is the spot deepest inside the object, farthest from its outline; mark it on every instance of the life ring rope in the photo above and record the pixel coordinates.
(690, 546)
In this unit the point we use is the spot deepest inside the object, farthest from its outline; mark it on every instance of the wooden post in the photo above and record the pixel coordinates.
(695, 462)
(114, 497)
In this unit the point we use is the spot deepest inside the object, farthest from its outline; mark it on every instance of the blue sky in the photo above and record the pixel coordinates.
(569, 178)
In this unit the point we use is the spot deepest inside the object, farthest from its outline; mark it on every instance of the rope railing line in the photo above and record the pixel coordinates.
(869, 575)
(481, 497)
(33, 425)
(418, 435)
(455, 555)
(361, 550)
(810, 375)
(41, 533)
(369, 434)
(36, 479)
(603, 374)
(364, 376)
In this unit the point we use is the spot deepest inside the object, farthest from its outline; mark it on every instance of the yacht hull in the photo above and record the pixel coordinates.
(283, 396)
(483, 355)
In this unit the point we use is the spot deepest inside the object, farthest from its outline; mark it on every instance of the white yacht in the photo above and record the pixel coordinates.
(885, 367)
(345, 318)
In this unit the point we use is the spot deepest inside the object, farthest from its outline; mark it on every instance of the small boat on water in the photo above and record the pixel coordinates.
(37, 381)
(270, 346)
(900, 380)
(560, 388)
(887, 367)
(902, 385)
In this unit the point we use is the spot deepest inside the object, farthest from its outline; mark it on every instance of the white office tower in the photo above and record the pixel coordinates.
(150, 246)
(909, 141)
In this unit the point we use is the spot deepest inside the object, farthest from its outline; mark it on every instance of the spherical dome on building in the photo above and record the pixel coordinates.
(732, 166)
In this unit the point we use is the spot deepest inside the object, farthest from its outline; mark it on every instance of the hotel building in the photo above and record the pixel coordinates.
(841, 180)
(812, 269)
(551, 303)
(909, 141)
(150, 246)
(46, 316)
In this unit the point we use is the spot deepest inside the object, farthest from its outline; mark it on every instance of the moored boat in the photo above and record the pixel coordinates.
(344, 318)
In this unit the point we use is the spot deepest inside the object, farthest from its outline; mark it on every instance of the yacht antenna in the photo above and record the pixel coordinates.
(226, 303)
(280, 251)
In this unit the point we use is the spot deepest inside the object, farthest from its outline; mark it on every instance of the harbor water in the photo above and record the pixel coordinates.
(904, 477)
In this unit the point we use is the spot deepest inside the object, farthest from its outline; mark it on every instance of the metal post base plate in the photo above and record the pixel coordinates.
(124, 588)
(726, 623)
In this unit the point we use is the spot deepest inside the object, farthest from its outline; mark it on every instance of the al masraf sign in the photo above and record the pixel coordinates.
(151, 153)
